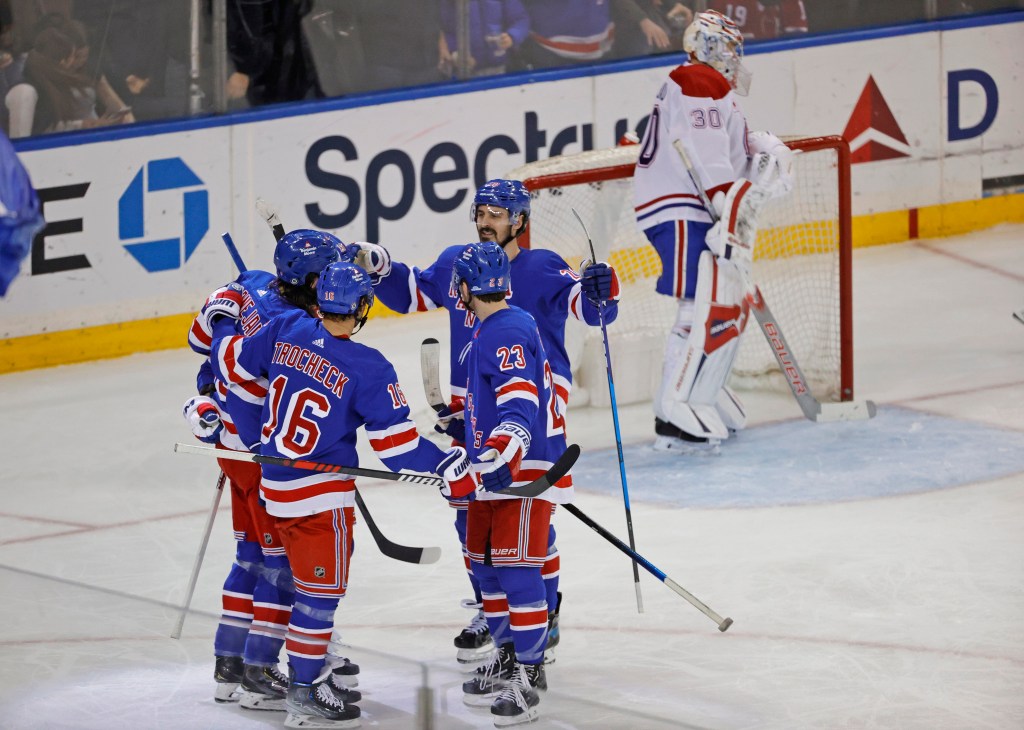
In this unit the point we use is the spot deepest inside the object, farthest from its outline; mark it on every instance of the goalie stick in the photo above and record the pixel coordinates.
(180, 623)
(615, 421)
(394, 550)
(812, 408)
(558, 470)
(723, 623)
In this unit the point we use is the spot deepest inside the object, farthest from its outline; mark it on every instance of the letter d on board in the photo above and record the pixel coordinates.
(955, 80)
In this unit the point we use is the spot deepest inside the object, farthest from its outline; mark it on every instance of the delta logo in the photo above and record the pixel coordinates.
(872, 131)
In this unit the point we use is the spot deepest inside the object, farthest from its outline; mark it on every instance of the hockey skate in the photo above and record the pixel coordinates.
(553, 635)
(227, 672)
(675, 440)
(474, 643)
(318, 705)
(517, 703)
(344, 671)
(490, 679)
(264, 688)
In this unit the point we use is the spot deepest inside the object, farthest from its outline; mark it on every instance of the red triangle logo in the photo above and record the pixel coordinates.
(872, 131)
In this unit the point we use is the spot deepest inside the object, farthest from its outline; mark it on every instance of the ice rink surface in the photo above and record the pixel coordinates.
(874, 570)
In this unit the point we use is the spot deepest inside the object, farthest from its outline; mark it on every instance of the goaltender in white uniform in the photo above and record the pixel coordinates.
(705, 264)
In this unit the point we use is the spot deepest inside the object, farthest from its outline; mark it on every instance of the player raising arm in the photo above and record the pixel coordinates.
(514, 433)
(320, 387)
(545, 286)
(697, 108)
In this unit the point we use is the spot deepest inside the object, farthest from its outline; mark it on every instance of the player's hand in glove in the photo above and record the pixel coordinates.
(599, 282)
(375, 259)
(203, 416)
(457, 474)
(226, 302)
(504, 448)
(451, 420)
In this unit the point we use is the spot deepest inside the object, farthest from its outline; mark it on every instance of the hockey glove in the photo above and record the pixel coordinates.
(455, 469)
(599, 282)
(504, 448)
(375, 259)
(451, 420)
(226, 302)
(203, 416)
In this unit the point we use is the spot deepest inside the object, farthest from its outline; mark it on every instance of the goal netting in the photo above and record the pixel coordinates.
(801, 263)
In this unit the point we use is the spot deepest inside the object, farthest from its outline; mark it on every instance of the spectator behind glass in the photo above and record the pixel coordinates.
(642, 28)
(402, 42)
(56, 95)
(767, 19)
(141, 47)
(565, 32)
(331, 31)
(271, 61)
(496, 27)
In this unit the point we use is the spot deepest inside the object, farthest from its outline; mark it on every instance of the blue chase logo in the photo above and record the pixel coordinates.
(163, 254)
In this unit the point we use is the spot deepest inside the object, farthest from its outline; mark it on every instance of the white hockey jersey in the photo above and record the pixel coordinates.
(697, 106)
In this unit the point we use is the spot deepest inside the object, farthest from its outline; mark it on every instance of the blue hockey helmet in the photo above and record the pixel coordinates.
(342, 289)
(484, 267)
(303, 251)
(511, 195)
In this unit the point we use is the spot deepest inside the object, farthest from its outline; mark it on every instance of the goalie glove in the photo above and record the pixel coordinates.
(203, 417)
(457, 474)
(451, 420)
(599, 282)
(504, 448)
(771, 163)
(375, 260)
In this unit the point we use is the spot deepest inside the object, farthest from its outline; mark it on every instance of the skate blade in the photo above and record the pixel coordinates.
(485, 700)
(531, 715)
(256, 701)
(296, 720)
(549, 656)
(667, 444)
(227, 692)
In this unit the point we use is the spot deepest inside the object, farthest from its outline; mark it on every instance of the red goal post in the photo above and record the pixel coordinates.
(802, 262)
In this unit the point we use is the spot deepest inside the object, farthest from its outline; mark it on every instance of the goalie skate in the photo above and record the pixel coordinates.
(674, 440)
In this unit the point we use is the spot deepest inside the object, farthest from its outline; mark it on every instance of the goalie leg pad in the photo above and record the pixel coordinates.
(696, 370)
(730, 409)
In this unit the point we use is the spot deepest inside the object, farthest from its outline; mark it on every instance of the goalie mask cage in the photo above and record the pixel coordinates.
(802, 260)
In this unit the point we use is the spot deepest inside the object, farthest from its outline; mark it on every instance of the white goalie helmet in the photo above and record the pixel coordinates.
(715, 40)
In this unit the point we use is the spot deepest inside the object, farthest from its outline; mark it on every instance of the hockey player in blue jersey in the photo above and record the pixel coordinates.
(322, 386)
(513, 433)
(543, 285)
(257, 594)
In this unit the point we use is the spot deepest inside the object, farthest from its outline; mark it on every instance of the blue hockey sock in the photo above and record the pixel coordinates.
(236, 600)
(308, 635)
(528, 611)
(272, 602)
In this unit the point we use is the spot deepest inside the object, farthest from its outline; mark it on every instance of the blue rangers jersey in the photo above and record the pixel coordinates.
(510, 381)
(319, 390)
(241, 406)
(543, 284)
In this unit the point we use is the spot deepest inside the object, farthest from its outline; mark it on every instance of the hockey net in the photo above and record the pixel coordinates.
(801, 263)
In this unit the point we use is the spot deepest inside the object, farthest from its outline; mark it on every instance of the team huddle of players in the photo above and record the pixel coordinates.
(282, 376)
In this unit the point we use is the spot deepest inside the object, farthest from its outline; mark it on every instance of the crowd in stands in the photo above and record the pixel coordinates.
(79, 64)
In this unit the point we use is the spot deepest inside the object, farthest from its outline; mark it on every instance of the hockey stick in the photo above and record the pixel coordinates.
(269, 213)
(430, 364)
(558, 470)
(812, 408)
(394, 550)
(615, 420)
(723, 623)
(180, 623)
(1019, 316)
